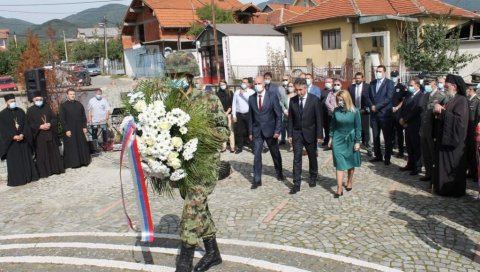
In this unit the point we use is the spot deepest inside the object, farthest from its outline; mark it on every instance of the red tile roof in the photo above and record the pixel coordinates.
(275, 17)
(181, 13)
(329, 9)
(296, 9)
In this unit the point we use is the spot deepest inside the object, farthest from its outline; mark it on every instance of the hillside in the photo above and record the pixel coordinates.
(93, 16)
(57, 25)
(15, 25)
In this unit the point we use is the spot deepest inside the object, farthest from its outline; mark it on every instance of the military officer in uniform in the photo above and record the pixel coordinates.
(197, 220)
(397, 101)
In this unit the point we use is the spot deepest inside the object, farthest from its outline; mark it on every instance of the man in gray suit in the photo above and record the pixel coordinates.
(265, 123)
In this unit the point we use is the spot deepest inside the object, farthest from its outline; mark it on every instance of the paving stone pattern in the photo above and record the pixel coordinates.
(389, 218)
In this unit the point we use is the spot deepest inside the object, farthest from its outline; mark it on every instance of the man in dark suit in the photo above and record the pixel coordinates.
(411, 120)
(397, 101)
(380, 105)
(473, 120)
(265, 123)
(305, 130)
(359, 93)
(269, 86)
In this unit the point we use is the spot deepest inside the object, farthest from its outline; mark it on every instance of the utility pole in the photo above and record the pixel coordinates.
(105, 40)
(215, 40)
(65, 45)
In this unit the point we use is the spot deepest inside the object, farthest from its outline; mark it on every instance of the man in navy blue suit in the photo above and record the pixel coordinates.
(265, 123)
(380, 105)
(359, 93)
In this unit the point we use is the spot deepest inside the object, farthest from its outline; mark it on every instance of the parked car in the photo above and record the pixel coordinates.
(79, 67)
(7, 84)
(93, 69)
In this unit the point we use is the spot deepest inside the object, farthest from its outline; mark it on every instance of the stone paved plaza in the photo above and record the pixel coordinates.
(388, 222)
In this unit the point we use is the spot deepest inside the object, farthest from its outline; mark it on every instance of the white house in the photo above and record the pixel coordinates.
(97, 33)
(245, 50)
(470, 44)
(4, 38)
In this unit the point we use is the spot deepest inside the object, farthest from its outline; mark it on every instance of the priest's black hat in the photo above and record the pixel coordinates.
(457, 80)
(37, 94)
(8, 97)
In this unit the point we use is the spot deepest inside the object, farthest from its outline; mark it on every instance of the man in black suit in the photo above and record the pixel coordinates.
(305, 130)
(265, 123)
(411, 120)
(380, 105)
(397, 101)
(359, 93)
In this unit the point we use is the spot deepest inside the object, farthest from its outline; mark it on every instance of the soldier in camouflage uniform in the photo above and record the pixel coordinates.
(197, 221)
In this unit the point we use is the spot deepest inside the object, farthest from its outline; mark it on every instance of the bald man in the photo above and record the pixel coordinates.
(264, 125)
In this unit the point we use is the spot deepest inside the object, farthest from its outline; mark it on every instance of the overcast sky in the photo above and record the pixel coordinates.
(24, 10)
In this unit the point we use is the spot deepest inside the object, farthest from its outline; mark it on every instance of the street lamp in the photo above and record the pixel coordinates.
(104, 25)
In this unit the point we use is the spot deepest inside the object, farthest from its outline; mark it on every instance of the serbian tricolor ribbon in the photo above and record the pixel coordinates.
(129, 145)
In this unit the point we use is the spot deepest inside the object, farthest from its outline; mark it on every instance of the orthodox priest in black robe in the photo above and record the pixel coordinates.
(449, 177)
(74, 122)
(44, 125)
(16, 144)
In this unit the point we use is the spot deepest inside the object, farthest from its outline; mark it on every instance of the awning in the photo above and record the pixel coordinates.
(371, 19)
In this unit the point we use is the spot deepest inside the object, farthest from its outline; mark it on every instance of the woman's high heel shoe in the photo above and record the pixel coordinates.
(336, 195)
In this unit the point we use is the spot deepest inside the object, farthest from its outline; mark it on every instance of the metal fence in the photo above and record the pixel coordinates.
(116, 67)
(241, 71)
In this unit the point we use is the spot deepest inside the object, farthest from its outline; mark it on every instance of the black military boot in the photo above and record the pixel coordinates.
(212, 255)
(185, 260)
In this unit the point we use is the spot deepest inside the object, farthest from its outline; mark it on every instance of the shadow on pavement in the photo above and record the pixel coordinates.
(435, 232)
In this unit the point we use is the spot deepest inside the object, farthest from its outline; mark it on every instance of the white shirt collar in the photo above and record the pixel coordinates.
(472, 97)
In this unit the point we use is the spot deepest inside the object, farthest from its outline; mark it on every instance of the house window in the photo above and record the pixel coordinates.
(331, 39)
(297, 42)
(378, 40)
(140, 33)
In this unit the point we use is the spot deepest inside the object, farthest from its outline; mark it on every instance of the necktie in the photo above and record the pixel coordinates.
(357, 97)
(379, 82)
(301, 105)
(260, 106)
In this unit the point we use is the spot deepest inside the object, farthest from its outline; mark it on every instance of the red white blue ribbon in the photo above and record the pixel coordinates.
(129, 145)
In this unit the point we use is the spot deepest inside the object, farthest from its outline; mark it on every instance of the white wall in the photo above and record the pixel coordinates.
(129, 61)
(249, 52)
(470, 47)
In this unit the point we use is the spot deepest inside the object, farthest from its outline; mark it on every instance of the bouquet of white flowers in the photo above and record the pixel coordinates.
(170, 130)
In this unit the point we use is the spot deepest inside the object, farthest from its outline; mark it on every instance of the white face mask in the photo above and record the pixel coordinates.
(328, 85)
(309, 82)
(223, 87)
(267, 81)
(379, 75)
(440, 86)
(285, 82)
(243, 86)
(336, 88)
(259, 88)
(12, 105)
(291, 89)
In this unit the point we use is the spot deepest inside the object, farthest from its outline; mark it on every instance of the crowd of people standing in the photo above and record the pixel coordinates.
(30, 141)
(431, 119)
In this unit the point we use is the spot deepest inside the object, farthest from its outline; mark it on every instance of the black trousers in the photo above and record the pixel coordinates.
(241, 129)
(384, 126)
(298, 144)
(399, 135)
(257, 161)
(412, 139)
(327, 119)
(471, 154)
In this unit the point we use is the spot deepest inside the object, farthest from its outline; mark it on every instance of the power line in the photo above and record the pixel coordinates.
(35, 12)
(60, 3)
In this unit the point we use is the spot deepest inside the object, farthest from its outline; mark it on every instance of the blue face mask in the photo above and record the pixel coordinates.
(309, 82)
(38, 103)
(394, 79)
(411, 89)
(440, 86)
(428, 89)
(267, 81)
(379, 75)
(12, 105)
(99, 97)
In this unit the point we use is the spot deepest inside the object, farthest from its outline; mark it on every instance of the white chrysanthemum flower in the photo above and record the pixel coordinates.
(178, 175)
(189, 149)
(177, 143)
(183, 130)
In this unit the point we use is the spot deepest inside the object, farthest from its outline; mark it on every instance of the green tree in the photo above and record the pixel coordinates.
(115, 49)
(205, 14)
(9, 59)
(433, 47)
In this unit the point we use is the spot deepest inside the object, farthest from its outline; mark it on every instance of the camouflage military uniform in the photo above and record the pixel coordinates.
(197, 221)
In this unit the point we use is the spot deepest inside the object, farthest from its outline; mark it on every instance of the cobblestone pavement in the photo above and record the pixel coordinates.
(389, 220)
